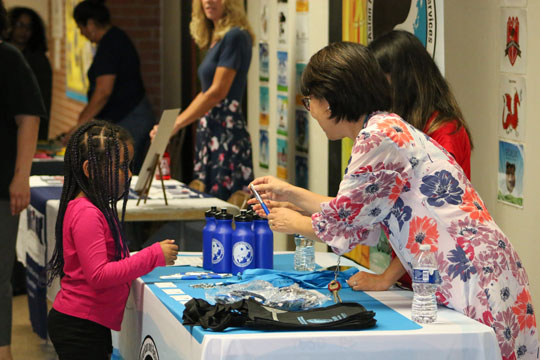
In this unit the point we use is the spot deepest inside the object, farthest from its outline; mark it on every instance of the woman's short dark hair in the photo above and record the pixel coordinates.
(347, 76)
(38, 40)
(3, 18)
(418, 87)
(92, 9)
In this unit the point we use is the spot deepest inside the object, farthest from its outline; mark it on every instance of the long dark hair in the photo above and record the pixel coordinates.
(38, 40)
(92, 9)
(418, 87)
(100, 143)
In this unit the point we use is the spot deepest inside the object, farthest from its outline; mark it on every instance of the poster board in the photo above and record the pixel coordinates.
(158, 146)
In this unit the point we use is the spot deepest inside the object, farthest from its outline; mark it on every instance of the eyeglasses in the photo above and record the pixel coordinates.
(306, 100)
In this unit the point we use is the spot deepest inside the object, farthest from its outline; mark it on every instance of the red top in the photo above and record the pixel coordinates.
(457, 144)
(95, 286)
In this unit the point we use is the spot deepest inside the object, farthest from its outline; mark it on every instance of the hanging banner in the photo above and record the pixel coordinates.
(423, 18)
(79, 55)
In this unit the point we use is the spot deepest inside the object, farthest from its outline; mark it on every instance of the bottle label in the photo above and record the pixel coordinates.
(218, 251)
(426, 276)
(242, 253)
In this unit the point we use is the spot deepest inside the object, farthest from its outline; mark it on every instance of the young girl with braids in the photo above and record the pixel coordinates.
(91, 255)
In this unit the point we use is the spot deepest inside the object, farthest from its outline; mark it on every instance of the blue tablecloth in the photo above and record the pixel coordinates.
(387, 319)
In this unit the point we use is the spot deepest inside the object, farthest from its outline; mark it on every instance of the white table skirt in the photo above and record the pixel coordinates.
(452, 336)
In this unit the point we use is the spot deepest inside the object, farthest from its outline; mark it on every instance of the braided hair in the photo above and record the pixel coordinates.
(100, 143)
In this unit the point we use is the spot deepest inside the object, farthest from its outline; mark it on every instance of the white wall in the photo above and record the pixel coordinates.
(318, 143)
(472, 68)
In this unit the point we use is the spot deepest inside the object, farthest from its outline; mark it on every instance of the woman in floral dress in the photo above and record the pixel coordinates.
(223, 156)
(402, 182)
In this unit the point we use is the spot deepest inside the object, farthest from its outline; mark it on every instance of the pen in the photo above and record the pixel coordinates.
(266, 211)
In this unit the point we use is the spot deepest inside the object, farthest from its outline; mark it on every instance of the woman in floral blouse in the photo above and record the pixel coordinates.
(402, 182)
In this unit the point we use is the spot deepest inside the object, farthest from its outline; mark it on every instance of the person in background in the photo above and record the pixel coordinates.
(422, 97)
(28, 35)
(116, 92)
(91, 255)
(401, 181)
(223, 156)
(21, 107)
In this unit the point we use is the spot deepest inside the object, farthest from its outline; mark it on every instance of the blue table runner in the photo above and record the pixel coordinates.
(387, 318)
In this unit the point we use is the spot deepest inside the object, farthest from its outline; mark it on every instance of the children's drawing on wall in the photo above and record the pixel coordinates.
(301, 129)
(510, 182)
(301, 171)
(282, 150)
(264, 62)
(264, 103)
(512, 108)
(263, 149)
(302, 30)
(283, 15)
(514, 40)
(264, 19)
(282, 110)
(298, 75)
(282, 80)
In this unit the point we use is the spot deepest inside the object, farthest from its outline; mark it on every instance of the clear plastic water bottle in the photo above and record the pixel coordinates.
(304, 255)
(425, 280)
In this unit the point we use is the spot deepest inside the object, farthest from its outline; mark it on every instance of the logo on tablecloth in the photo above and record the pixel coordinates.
(148, 350)
(217, 251)
(242, 254)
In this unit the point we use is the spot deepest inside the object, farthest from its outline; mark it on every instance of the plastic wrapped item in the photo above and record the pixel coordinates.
(291, 297)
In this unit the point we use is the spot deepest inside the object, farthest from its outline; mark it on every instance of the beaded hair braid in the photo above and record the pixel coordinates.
(100, 143)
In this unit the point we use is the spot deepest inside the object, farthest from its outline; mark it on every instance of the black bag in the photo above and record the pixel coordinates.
(252, 314)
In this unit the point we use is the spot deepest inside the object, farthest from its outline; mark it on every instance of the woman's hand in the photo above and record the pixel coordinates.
(271, 188)
(369, 282)
(153, 132)
(170, 249)
(284, 220)
(271, 204)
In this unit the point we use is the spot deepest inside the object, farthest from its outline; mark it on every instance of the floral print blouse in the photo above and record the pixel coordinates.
(402, 181)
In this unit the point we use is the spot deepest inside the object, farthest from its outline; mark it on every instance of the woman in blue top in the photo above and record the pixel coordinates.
(116, 91)
(223, 146)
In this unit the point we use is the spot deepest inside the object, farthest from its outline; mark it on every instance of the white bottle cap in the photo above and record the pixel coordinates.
(425, 247)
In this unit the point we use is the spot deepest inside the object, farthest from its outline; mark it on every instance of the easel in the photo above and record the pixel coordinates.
(148, 183)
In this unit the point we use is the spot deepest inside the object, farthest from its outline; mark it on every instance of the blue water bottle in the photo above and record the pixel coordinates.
(264, 243)
(243, 244)
(207, 233)
(221, 243)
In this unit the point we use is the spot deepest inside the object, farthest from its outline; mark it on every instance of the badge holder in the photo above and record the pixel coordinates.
(148, 183)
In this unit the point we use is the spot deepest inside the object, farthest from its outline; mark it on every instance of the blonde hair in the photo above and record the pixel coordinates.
(202, 29)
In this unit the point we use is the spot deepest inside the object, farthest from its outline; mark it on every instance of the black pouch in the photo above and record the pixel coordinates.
(252, 314)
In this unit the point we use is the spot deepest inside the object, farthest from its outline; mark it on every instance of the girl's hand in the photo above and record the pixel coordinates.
(170, 249)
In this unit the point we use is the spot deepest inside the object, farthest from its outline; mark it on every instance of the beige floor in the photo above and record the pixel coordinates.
(25, 344)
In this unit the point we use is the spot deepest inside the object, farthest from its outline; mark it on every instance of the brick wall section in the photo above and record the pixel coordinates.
(141, 20)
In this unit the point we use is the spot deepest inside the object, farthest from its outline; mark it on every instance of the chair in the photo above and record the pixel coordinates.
(239, 198)
(197, 185)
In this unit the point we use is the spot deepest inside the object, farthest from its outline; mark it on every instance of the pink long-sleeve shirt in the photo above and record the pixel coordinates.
(95, 286)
